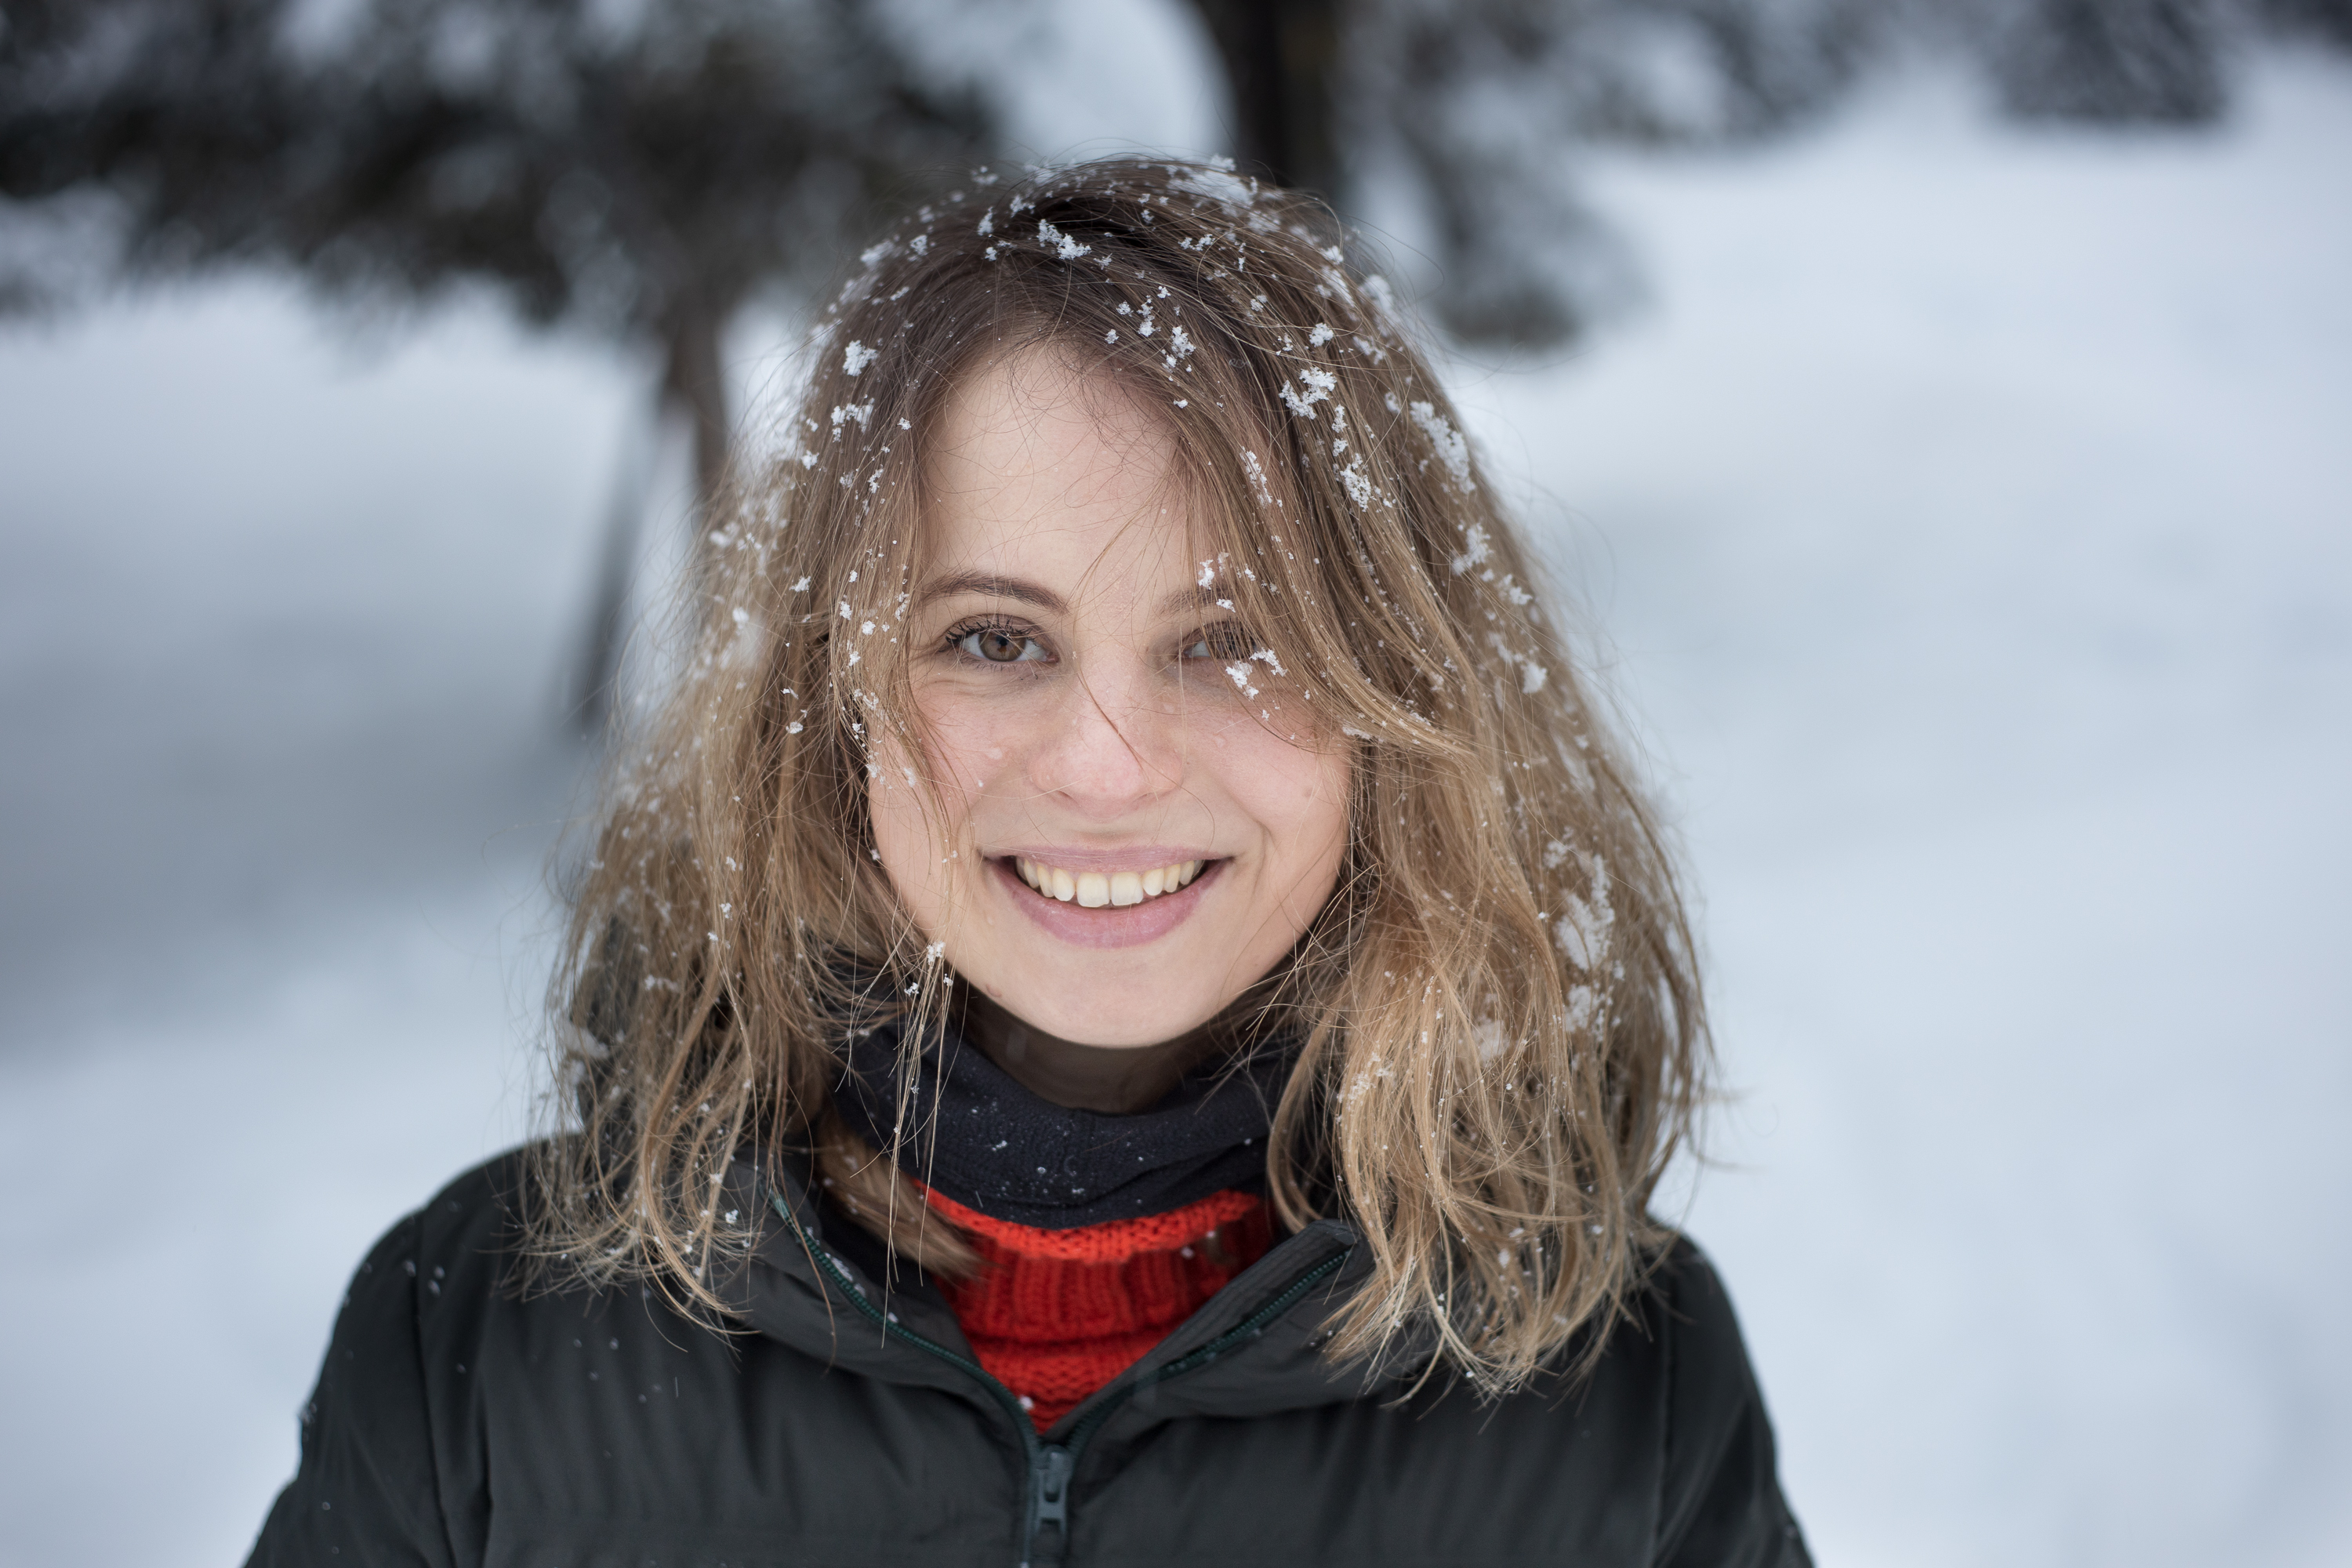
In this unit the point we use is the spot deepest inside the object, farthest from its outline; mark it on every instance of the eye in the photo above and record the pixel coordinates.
(999, 645)
(1224, 642)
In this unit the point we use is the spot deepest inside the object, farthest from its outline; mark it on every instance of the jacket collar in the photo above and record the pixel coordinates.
(1255, 1348)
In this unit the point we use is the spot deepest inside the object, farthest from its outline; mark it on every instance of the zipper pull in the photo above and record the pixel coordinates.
(1049, 1491)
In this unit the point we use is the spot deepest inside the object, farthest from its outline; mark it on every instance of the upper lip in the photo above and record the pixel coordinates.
(1127, 857)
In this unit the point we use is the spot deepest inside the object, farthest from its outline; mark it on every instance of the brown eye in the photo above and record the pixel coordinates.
(1223, 642)
(1000, 645)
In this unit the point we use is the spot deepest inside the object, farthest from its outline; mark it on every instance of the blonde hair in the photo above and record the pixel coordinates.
(1501, 1041)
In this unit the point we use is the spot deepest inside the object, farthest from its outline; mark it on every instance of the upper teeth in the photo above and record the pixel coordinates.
(1093, 890)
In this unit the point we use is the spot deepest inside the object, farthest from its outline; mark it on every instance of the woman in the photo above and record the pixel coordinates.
(1126, 1010)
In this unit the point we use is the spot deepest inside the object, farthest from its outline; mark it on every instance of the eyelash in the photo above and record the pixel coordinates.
(957, 632)
(1236, 636)
(1233, 633)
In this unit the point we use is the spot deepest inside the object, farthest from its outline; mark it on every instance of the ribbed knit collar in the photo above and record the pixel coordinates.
(979, 1137)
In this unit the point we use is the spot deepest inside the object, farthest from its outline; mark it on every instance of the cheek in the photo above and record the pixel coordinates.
(1298, 796)
(916, 839)
(906, 837)
(969, 738)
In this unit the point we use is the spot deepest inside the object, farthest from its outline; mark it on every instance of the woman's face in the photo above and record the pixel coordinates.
(1125, 847)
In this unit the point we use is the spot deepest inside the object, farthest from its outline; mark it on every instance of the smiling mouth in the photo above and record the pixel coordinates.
(1099, 890)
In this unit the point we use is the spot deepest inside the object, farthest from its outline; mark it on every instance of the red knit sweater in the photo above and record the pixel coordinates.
(1058, 1313)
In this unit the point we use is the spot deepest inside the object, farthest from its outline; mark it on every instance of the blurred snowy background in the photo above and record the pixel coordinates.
(1951, 450)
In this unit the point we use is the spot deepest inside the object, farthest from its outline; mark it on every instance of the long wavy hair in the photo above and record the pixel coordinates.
(1500, 1036)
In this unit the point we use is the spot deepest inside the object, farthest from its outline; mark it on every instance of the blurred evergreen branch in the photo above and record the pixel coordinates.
(641, 168)
(1480, 105)
(637, 170)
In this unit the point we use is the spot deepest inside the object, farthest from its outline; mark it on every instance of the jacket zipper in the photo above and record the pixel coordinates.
(1051, 1464)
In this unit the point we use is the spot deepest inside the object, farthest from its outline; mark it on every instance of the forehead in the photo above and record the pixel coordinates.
(1041, 468)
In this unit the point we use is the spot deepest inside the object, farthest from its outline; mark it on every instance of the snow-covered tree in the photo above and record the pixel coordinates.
(2115, 61)
(1482, 102)
(635, 167)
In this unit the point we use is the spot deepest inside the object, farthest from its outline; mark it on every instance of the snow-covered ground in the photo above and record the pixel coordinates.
(281, 624)
(1973, 521)
(1967, 519)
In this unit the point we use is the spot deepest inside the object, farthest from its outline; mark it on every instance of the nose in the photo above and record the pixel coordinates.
(1112, 748)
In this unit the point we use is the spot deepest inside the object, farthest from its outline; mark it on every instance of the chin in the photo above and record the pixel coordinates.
(1114, 1011)
(1103, 1028)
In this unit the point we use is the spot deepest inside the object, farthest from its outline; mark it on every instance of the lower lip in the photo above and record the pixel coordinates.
(1109, 926)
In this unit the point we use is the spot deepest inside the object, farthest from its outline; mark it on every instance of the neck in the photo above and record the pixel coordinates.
(1115, 1079)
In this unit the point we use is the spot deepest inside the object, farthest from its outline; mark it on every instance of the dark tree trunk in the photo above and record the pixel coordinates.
(694, 387)
(1278, 57)
(2118, 61)
(588, 702)
(2328, 19)
(693, 384)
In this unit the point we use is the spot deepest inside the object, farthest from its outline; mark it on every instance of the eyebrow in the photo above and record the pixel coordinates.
(1196, 598)
(988, 584)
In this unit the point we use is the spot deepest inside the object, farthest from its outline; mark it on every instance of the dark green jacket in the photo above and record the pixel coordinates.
(457, 1423)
